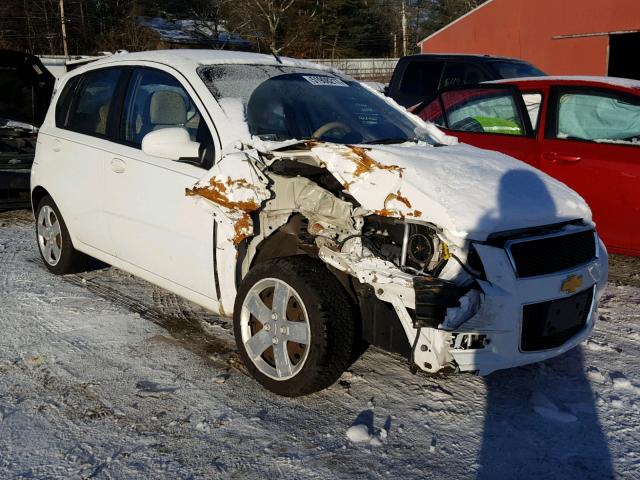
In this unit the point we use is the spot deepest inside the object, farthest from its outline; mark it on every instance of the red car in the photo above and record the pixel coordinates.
(584, 131)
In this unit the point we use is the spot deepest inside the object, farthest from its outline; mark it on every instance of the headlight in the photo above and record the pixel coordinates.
(412, 246)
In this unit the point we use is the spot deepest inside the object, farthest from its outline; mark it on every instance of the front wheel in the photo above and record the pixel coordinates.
(293, 325)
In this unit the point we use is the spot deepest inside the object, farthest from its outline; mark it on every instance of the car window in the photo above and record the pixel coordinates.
(156, 100)
(64, 101)
(482, 110)
(432, 112)
(90, 108)
(511, 69)
(603, 118)
(532, 101)
(458, 74)
(421, 78)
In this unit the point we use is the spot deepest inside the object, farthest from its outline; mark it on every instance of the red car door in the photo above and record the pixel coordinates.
(489, 116)
(592, 143)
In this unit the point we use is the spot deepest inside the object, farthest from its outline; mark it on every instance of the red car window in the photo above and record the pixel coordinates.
(601, 118)
(432, 113)
(484, 110)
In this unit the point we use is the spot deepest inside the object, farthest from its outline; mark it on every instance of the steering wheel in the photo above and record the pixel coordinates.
(328, 127)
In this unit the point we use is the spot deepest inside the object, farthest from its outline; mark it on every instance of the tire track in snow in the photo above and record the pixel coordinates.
(184, 324)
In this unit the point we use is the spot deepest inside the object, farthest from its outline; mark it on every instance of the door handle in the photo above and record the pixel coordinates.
(57, 145)
(554, 157)
(118, 165)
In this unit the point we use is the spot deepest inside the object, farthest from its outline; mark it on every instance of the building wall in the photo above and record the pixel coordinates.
(526, 29)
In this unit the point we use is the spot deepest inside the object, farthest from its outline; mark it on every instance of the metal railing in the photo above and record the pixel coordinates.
(375, 69)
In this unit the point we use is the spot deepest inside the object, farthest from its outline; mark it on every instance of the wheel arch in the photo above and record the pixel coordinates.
(37, 194)
(289, 240)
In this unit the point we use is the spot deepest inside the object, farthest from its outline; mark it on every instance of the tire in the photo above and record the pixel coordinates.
(54, 242)
(321, 307)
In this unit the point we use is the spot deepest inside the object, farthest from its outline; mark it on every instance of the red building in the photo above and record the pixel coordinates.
(561, 37)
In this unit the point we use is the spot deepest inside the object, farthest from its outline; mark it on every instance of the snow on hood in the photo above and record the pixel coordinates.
(467, 191)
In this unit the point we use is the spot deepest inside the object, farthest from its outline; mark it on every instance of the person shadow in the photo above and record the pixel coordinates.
(541, 420)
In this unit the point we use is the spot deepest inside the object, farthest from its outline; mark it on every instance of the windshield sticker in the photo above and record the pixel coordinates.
(322, 80)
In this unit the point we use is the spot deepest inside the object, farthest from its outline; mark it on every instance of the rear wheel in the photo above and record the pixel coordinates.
(54, 241)
(293, 325)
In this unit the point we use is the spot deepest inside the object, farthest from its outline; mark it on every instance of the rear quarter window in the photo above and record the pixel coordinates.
(64, 101)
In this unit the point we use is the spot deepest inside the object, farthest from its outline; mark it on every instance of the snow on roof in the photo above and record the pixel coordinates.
(618, 82)
(190, 59)
(192, 31)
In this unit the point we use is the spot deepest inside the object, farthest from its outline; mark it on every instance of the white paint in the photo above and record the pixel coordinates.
(469, 192)
(359, 434)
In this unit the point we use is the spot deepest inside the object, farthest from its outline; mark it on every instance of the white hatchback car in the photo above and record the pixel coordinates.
(319, 214)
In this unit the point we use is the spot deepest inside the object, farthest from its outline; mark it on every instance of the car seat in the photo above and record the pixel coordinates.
(167, 109)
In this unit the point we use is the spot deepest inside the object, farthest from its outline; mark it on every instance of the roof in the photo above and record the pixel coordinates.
(455, 21)
(615, 81)
(476, 56)
(191, 59)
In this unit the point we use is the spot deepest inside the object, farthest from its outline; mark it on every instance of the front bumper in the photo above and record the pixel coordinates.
(485, 331)
(499, 320)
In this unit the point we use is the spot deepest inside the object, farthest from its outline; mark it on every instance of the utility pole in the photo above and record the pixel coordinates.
(404, 29)
(64, 30)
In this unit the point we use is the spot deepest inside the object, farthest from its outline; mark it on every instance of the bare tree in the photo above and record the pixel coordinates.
(209, 20)
(264, 21)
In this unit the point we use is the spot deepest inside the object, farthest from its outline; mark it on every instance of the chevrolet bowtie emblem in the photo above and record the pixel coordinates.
(571, 284)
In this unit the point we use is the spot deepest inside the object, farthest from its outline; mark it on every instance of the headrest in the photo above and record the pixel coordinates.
(167, 108)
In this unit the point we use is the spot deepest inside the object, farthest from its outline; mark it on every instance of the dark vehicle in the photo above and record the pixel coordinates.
(417, 78)
(26, 87)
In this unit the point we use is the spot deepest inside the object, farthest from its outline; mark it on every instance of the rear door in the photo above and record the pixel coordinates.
(592, 143)
(77, 145)
(152, 223)
(492, 117)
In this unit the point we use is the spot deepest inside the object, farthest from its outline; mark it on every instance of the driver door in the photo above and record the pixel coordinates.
(489, 116)
(153, 224)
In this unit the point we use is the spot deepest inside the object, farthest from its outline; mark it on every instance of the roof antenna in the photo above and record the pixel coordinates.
(275, 55)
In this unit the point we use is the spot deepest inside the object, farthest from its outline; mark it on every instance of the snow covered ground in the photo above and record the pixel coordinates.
(103, 375)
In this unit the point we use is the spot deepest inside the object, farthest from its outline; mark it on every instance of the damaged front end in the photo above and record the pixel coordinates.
(423, 290)
(294, 201)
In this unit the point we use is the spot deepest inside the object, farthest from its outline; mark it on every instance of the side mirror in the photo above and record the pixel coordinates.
(171, 143)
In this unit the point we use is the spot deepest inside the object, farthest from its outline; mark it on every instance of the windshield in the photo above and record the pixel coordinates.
(282, 103)
(509, 69)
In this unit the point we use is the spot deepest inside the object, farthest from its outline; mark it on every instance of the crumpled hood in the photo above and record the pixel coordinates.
(468, 191)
